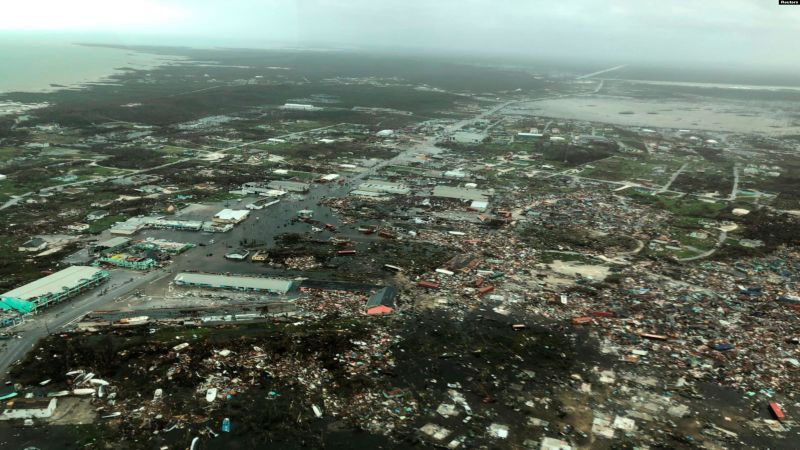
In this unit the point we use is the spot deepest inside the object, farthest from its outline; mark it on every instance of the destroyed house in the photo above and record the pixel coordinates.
(33, 245)
(29, 409)
(337, 286)
(460, 193)
(382, 301)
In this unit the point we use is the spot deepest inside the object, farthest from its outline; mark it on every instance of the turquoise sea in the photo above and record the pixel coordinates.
(34, 65)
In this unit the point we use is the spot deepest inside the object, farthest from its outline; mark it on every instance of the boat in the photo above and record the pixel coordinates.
(83, 391)
(58, 394)
(211, 395)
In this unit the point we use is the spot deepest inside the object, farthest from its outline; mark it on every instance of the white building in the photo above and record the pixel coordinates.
(231, 216)
(239, 283)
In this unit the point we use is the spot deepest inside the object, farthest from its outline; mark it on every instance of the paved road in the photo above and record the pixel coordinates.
(262, 225)
(56, 318)
(582, 77)
(723, 236)
(672, 179)
(735, 188)
(16, 199)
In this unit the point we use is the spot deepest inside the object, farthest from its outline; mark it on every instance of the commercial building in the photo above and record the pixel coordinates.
(134, 224)
(460, 193)
(232, 216)
(290, 186)
(237, 283)
(52, 289)
(128, 261)
(529, 137)
(111, 245)
(467, 137)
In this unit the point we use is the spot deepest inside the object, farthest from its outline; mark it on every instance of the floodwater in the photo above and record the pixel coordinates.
(703, 114)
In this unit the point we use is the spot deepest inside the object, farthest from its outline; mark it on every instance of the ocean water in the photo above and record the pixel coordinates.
(35, 65)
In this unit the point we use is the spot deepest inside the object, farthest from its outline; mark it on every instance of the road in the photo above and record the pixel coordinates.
(262, 225)
(16, 199)
(58, 317)
(672, 179)
(723, 236)
(735, 188)
(583, 77)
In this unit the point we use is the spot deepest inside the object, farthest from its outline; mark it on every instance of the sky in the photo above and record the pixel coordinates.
(736, 32)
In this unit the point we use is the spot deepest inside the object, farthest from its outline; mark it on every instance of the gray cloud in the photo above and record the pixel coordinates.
(742, 32)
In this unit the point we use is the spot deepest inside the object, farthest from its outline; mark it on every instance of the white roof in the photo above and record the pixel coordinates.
(54, 283)
(113, 242)
(234, 282)
(232, 214)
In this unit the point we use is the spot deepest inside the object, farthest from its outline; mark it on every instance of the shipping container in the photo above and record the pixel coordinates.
(776, 411)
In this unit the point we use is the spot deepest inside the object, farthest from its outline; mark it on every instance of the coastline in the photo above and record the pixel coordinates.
(106, 64)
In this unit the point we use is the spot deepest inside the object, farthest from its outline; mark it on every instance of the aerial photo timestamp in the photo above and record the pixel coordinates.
(217, 245)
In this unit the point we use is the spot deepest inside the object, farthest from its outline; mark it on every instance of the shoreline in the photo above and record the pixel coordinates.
(134, 60)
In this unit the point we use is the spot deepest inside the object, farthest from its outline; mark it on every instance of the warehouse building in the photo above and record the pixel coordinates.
(236, 283)
(289, 186)
(111, 245)
(52, 289)
(232, 216)
(135, 224)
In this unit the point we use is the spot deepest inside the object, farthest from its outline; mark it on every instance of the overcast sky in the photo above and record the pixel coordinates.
(746, 32)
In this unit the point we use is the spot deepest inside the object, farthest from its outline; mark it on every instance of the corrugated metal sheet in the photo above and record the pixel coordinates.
(234, 282)
(68, 278)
